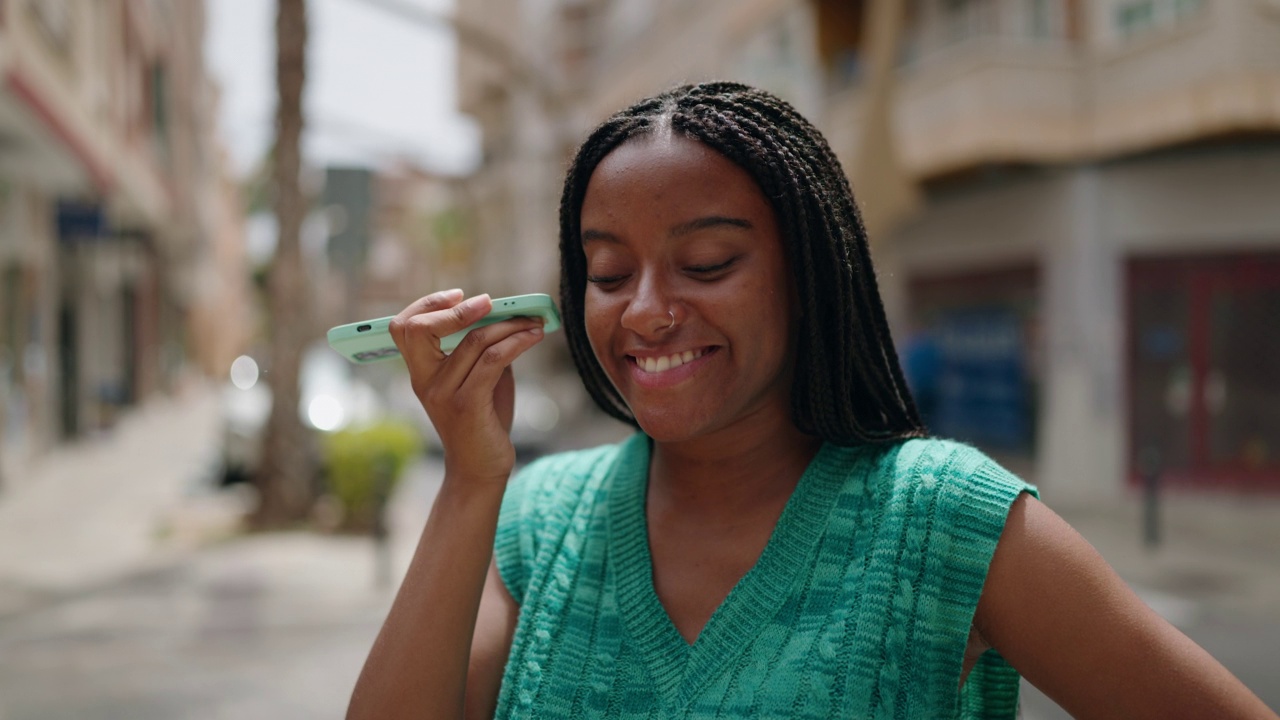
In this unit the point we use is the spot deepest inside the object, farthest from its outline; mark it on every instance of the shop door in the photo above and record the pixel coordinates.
(1204, 370)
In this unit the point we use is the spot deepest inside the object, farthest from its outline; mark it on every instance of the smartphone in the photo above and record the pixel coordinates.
(370, 340)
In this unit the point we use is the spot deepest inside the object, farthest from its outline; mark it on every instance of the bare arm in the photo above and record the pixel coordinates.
(490, 646)
(1059, 614)
(424, 663)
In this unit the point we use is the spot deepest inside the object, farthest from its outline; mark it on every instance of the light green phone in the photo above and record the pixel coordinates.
(369, 341)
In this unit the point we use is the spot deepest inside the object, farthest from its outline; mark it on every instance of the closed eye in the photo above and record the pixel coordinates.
(711, 269)
(605, 279)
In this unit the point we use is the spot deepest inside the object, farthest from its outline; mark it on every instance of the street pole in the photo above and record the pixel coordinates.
(1150, 468)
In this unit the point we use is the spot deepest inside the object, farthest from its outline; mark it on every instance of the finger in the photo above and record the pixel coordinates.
(434, 301)
(474, 346)
(425, 304)
(418, 335)
(496, 359)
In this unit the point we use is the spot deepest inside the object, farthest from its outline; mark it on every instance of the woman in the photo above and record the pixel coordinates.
(781, 539)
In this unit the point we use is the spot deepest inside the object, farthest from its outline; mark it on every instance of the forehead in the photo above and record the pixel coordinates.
(669, 173)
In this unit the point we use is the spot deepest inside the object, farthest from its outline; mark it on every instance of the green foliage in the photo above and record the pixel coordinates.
(449, 226)
(364, 464)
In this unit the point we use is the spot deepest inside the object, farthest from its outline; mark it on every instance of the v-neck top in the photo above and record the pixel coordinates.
(860, 605)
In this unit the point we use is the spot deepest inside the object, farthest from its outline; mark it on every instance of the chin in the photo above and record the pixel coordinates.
(671, 426)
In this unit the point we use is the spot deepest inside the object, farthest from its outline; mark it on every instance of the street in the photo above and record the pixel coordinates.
(261, 626)
(238, 631)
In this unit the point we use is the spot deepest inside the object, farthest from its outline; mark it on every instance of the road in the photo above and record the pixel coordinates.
(251, 629)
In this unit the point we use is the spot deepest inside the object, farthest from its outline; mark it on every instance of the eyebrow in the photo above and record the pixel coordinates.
(684, 228)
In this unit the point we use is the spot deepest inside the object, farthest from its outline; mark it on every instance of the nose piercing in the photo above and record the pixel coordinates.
(673, 319)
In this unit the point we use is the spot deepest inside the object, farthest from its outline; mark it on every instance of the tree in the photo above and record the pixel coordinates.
(285, 478)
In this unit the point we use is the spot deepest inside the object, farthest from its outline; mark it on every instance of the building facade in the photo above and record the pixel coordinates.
(118, 229)
(1086, 283)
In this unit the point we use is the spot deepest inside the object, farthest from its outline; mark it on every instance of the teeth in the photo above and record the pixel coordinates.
(663, 364)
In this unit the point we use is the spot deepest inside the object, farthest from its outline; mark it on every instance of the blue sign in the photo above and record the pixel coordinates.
(79, 221)
(981, 391)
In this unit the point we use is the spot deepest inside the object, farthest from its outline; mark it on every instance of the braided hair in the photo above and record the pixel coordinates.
(848, 385)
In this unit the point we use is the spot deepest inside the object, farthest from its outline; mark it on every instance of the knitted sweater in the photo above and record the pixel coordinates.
(860, 605)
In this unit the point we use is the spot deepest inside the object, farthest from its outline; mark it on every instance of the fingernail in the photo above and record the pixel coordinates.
(477, 301)
(454, 293)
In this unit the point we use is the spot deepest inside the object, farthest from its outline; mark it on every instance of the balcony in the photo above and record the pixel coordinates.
(1003, 98)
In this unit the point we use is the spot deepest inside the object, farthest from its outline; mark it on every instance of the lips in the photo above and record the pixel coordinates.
(668, 362)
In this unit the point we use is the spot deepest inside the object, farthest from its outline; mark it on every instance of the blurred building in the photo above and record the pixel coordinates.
(120, 235)
(420, 239)
(390, 235)
(1091, 275)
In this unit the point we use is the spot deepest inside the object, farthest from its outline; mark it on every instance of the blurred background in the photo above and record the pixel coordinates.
(1075, 214)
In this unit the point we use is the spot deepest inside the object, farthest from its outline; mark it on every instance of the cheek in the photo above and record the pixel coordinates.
(597, 321)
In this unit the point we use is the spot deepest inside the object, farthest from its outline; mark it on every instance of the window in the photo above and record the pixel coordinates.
(1137, 17)
(839, 39)
(1134, 18)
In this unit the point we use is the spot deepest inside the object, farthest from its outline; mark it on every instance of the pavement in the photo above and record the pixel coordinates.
(115, 502)
(128, 588)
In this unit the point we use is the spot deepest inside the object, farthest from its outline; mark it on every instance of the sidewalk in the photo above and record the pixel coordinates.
(1217, 556)
(93, 510)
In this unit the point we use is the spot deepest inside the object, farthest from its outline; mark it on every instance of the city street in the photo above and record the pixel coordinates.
(262, 626)
(245, 630)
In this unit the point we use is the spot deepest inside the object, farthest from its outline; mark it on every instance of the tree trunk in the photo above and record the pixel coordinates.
(285, 478)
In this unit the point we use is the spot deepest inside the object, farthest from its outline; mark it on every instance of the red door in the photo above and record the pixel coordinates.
(1204, 369)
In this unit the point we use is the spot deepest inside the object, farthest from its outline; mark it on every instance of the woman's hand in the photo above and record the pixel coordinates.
(469, 394)
(432, 654)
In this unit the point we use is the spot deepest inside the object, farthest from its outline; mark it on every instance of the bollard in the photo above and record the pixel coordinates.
(1150, 468)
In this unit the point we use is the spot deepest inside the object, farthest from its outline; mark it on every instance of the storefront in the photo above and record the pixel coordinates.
(1204, 367)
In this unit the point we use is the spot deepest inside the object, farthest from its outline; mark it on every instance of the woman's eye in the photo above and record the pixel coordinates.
(605, 279)
(711, 269)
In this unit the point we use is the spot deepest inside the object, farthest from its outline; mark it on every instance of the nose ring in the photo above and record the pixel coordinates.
(673, 319)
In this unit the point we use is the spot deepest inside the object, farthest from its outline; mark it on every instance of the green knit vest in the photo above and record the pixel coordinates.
(860, 605)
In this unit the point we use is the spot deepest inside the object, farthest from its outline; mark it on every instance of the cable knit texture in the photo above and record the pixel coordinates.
(859, 607)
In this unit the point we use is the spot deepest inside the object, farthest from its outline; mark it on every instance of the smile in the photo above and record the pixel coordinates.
(667, 362)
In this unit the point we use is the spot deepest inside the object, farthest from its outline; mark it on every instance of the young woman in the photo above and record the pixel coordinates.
(781, 538)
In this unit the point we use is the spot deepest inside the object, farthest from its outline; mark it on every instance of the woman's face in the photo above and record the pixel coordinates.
(669, 226)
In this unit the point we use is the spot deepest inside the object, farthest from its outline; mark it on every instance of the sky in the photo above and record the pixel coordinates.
(378, 88)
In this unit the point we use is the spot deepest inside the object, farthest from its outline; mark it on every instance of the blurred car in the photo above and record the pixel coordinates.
(331, 398)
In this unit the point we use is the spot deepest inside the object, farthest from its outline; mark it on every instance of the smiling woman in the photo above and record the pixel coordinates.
(780, 538)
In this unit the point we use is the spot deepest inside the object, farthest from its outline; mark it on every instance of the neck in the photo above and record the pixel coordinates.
(729, 473)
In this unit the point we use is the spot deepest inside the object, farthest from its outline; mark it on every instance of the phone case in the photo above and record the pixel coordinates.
(369, 341)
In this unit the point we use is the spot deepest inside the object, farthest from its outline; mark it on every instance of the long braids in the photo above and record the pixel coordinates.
(849, 387)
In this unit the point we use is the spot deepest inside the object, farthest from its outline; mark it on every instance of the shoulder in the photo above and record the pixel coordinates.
(955, 498)
(953, 470)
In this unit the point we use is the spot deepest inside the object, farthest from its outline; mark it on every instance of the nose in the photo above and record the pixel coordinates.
(651, 310)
